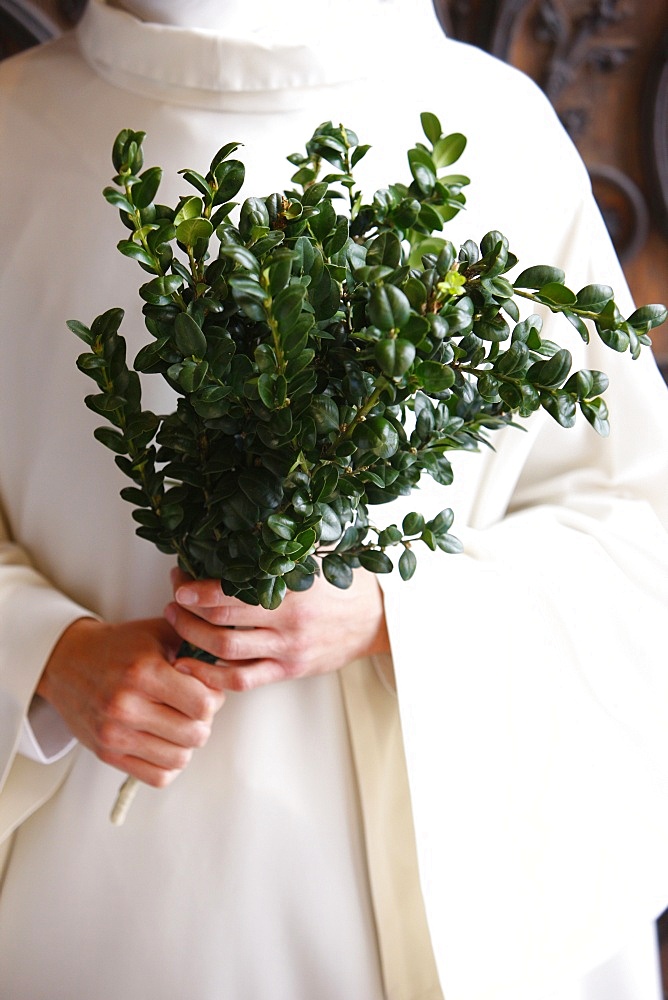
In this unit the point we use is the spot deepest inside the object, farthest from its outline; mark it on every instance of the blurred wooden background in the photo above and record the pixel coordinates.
(604, 66)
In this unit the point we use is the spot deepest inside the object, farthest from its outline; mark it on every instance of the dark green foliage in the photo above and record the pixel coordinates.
(322, 361)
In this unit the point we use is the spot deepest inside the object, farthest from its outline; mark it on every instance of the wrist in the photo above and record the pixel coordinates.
(62, 652)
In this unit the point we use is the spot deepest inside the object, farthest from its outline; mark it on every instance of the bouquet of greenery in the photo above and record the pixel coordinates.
(322, 362)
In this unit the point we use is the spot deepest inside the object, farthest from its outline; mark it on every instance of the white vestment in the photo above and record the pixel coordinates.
(530, 670)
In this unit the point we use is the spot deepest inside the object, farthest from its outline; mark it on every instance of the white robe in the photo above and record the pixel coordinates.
(530, 670)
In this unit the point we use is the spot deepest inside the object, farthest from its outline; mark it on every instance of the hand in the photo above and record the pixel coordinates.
(312, 632)
(118, 691)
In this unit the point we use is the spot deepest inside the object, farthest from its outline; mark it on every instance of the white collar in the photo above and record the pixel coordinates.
(244, 72)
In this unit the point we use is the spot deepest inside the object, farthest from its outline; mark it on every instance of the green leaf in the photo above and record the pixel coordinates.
(192, 375)
(283, 526)
(596, 413)
(261, 487)
(137, 252)
(137, 497)
(385, 251)
(555, 292)
(431, 126)
(198, 182)
(104, 403)
(188, 336)
(614, 338)
(394, 357)
(105, 325)
(275, 564)
(594, 297)
(548, 374)
(114, 440)
(338, 238)
(560, 405)
(337, 571)
(323, 221)
(389, 536)
(230, 177)
(587, 384)
(330, 526)
(514, 360)
(243, 257)
(126, 150)
(324, 295)
(388, 308)
(265, 358)
(81, 331)
(325, 412)
(538, 276)
(159, 292)
(267, 390)
(378, 435)
(145, 191)
(442, 523)
(118, 200)
(271, 592)
(240, 572)
(250, 296)
(648, 317)
(579, 324)
(324, 483)
(222, 154)
(423, 169)
(191, 208)
(253, 215)
(407, 564)
(314, 194)
(434, 376)
(358, 153)
(190, 231)
(287, 305)
(300, 579)
(438, 467)
(208, 399)
(449, 149)
(413, 524)
(449, 544)
(375, 561)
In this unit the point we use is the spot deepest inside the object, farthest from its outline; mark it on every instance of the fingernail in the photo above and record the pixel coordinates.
(186, 595)
(182, 668)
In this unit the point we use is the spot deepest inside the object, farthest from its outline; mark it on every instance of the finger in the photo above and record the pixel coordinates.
(165, 724)
(235, 676)
(149, 774)
(206, 595)
(118, 742)
(148, 683)
(233, 614)
(240, 677)
(206, 673)
(155, 732)
(225, 643)
(169, 639)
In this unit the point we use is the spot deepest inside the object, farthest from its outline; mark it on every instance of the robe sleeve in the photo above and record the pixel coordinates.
(532, 681)
(33, 615)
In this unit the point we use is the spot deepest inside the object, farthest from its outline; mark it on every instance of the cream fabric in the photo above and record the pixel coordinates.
(405, 948)
(537, 775)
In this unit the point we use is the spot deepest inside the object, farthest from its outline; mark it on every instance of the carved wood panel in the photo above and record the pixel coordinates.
(604, 66)
(24, 23)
